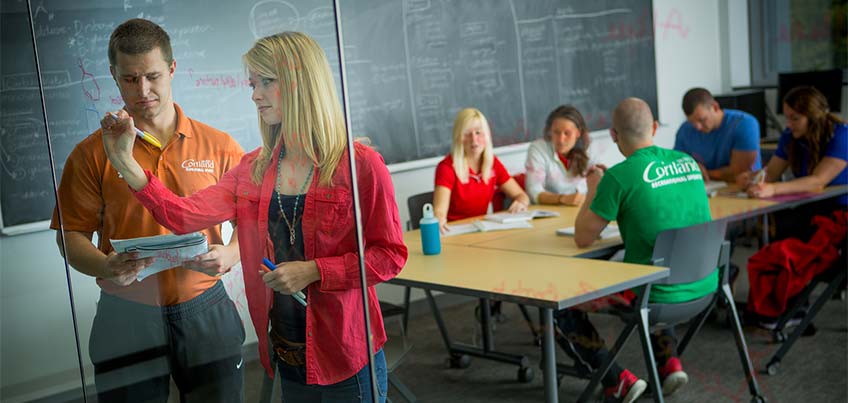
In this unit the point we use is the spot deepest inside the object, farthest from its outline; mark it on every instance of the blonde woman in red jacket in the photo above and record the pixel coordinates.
(292, 201)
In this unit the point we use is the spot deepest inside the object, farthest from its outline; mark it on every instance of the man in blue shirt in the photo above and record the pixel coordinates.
(725, 142)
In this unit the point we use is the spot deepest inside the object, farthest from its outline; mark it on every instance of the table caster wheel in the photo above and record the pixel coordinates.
(525, 374)
(461, 361)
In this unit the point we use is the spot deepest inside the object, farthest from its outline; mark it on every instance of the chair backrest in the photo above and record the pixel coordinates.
(416, 203)
(499, 200)
(691, 253)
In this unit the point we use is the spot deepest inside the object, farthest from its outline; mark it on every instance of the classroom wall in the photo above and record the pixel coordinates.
(36, 329)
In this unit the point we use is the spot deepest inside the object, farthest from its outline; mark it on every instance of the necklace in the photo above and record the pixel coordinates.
(293, 223)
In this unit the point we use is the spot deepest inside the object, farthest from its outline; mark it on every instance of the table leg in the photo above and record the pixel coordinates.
(765, 231)
(549, 367)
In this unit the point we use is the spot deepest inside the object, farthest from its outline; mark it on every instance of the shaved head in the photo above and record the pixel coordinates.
(633, 121)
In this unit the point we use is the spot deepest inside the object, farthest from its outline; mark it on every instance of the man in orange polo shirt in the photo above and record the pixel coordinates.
(178, 323)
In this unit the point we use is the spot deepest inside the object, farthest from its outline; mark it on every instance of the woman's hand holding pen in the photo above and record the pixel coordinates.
(118, 138)
(762, 189)
(291, 277)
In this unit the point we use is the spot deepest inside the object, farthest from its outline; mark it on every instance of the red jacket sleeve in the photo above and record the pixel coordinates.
(203, 209)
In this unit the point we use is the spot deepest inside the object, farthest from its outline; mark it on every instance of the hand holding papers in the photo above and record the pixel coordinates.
(168, 251)
(611, 231)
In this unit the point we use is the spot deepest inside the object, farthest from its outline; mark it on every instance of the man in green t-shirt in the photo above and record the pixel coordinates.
(652, 190)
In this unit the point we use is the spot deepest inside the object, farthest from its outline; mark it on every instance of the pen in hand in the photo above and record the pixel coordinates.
(759, 178)
(140, 133)
(299, 296)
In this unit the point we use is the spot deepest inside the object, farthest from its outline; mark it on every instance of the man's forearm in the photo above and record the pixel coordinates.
(82, 255)
(724, 173)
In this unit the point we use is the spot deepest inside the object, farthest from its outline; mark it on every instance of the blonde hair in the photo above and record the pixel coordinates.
(463, 120)
(312, 117)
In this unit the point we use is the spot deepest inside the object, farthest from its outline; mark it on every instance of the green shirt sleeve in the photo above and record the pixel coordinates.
(608, 198)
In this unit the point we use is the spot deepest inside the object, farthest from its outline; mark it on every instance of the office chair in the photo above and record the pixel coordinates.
(691, 253)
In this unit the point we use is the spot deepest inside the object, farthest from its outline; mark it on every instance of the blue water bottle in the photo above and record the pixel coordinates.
(429, 225)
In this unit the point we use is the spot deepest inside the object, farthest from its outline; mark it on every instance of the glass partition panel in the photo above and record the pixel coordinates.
(177, 316)
(39, 353)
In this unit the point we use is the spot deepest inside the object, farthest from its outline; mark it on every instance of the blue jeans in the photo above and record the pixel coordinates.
(356, 389)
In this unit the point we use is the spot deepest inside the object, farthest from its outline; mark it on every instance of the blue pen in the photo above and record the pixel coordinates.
(299, 296)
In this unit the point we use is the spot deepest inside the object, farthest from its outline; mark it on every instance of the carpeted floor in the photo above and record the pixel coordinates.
(815, 369)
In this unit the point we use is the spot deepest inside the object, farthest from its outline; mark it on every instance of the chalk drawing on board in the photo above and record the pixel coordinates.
(321, 22)
(9, 165)
(269, 17)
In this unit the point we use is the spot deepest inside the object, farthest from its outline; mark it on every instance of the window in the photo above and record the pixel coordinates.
(796, 35)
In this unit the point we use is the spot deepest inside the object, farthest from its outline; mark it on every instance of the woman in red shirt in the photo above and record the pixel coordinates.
(292, 200)
(467, 178)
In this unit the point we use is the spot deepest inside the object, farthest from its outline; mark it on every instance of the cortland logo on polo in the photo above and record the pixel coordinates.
(660, 174)
(207, 166)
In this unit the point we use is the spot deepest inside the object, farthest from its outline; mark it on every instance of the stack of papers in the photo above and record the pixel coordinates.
(611, 231)
(483, 226)
(505, 217)
(168, 251)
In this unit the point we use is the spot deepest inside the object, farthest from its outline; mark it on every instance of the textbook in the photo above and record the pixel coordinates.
(611, 231)
(168, 251)
(484, 226)
(506, 217)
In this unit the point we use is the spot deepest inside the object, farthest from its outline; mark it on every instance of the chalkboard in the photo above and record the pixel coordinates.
(411, 66)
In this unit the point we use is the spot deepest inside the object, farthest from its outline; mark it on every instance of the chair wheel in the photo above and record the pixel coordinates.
(525, 374)
(758, 399)
(778, 336)
(773, 368)
(461, 361)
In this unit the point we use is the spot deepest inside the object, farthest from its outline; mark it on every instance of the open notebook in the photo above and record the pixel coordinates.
(505, 217)
(611, 231)
(483, 226)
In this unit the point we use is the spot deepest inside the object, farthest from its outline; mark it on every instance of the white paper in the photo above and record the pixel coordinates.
(483, 226)
(506, 217)
(459, 229)
(712, 187)
(168, 251)
(611, 231)
(544, 214)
